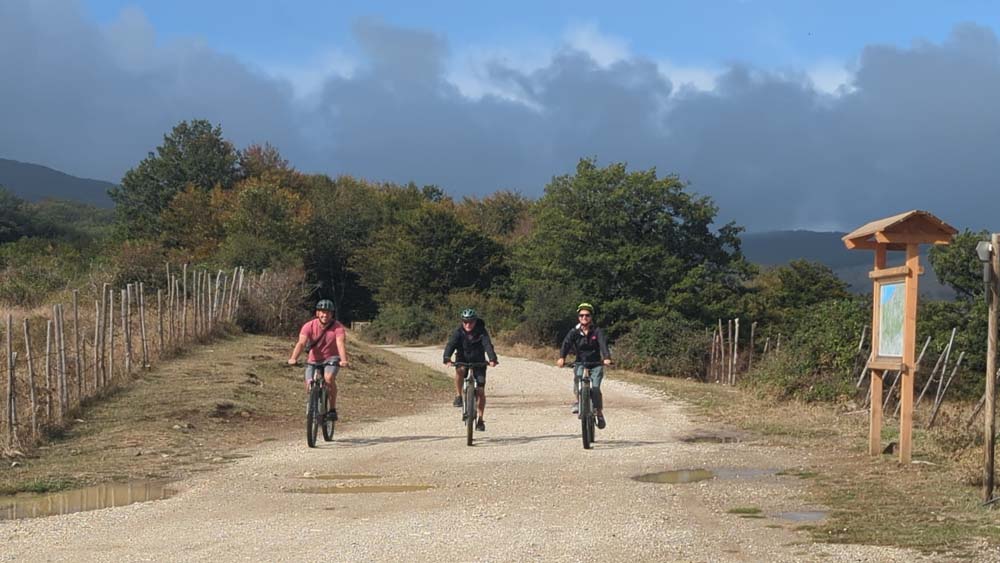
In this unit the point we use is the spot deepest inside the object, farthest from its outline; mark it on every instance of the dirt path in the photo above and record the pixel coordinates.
(526, 491)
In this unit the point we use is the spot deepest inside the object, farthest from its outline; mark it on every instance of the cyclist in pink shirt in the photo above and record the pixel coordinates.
(325, 339)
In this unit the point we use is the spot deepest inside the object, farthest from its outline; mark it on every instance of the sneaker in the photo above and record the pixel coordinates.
(332, 415)
(457, 402)
(575, 409)
(480, 425)
(601, 423)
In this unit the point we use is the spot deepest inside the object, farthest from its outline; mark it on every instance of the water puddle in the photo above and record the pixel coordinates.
(340, 477)
(676, 477)
(804, 515)
(358, 489)
(710, 439)
(744, 473)
(80, 500)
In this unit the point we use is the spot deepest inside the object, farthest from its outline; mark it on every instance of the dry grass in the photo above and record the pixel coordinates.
(193, 412)
(932, 505)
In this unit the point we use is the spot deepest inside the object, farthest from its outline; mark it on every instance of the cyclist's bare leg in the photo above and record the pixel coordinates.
(331, 388)
(459, 378)
(481, 404)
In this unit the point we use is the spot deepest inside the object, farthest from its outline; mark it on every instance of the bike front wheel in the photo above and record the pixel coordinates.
(470, 412)
(586, 416)
(312, 414)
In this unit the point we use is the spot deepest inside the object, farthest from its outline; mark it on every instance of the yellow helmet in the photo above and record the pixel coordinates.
(585, 306)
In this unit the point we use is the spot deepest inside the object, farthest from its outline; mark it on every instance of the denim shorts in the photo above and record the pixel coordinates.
(329, 367)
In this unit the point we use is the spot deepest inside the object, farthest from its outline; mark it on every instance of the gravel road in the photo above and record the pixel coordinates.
(526, 491)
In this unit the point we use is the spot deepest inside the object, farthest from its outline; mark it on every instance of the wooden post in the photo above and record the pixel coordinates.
(48, 371)
(61, 344)
(232, 293)
(736, 352)
(239, 293)
(159, 319)
(990, 431)
(142, 325)
(184, 317)
(11, 385)
(930, 378)
(909, 354)
(97, 343)
(753, 328)
(729, 352)
(77, 364)
(875, 381)
(31, 381)
(944, 368)
(111, 337)
(126, 343)
(106, 294)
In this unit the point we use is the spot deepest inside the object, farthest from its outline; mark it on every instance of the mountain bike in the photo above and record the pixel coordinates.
(585, 400)
(469, 397)
(317, 407)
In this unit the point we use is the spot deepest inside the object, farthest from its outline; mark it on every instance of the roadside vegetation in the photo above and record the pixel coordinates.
(641, 245)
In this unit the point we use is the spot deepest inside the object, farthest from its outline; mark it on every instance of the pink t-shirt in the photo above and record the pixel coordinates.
(324, 343)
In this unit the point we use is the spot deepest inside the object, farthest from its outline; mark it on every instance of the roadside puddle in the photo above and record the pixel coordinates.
(676, 477)
(340, 477)
(710, 439)
(358, 489)
(803, 515)
(30, 505)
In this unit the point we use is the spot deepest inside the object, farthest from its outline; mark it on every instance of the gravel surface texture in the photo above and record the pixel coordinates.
(526, 490)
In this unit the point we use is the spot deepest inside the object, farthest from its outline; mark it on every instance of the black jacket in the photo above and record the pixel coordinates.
(472, 346)
(590, 348)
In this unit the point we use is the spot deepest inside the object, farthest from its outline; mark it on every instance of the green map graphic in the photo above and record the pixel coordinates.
(892, 303)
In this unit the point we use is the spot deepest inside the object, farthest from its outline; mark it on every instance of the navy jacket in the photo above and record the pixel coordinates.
(471, 347)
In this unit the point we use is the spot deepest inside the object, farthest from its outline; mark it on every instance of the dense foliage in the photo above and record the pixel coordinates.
(643, 247)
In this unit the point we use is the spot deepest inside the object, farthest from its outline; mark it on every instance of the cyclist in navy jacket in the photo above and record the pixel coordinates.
(472, 343)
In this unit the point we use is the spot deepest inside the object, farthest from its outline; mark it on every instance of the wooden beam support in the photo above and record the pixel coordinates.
(909, 356)
(911, 238)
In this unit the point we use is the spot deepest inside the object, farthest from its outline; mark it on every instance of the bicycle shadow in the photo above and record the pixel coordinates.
(367, 442)
(520, 440)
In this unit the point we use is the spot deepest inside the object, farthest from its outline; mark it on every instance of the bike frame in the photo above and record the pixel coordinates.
(469, 407)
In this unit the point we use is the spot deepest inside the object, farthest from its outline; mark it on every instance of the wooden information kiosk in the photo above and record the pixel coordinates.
(894, 311)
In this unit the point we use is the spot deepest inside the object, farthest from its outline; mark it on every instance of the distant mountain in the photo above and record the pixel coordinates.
(774, 248)
(34, 182)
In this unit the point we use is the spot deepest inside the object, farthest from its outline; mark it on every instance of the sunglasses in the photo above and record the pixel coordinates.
(468, 321)
(584, 315)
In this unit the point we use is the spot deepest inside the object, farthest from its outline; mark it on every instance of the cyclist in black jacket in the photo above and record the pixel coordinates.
(590, 345)
(472, 344)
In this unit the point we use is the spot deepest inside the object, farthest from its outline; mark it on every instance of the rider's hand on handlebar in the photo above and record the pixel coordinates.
(292, 361)
(607, 361)
(344, 363)
(493, 364)
(561, 362)
(447, 363)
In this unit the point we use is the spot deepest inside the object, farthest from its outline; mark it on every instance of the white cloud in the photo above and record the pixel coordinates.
(307, 78)
(603, 48)
(831, 77)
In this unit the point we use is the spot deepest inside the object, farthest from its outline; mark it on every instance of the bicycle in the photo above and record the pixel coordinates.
(317, 407)
(469, 397)
(585, 402)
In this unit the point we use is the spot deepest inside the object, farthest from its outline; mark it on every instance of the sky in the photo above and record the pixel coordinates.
(791, 114)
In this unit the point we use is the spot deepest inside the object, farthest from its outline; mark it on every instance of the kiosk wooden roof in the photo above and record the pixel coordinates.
(912, 227)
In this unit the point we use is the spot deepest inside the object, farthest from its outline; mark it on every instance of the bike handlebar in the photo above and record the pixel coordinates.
(470, 364)
(584, 364)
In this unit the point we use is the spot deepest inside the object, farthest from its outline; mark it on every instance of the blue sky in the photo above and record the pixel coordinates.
(788, 114)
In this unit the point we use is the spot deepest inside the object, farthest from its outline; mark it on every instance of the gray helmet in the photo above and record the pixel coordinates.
(325, 305)
(468, 314)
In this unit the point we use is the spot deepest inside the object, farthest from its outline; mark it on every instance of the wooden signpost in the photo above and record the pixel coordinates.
(894, 311)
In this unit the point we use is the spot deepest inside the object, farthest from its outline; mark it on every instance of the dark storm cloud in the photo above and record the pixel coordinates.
(919, 127)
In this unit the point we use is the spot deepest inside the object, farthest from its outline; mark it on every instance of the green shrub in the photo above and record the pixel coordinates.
(409, 324)
(31, 270)
(668, 345)
(815, 362)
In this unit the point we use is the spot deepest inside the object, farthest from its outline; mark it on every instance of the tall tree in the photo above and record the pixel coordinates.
(628, 240)
(192, 154)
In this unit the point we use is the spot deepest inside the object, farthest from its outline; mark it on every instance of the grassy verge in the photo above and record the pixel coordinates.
(932, 505)
(192, 413)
